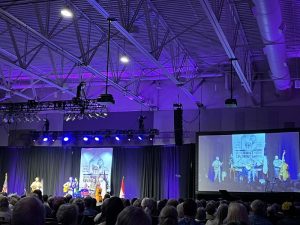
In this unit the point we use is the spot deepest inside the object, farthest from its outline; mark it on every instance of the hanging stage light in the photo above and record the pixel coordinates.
(85, 138)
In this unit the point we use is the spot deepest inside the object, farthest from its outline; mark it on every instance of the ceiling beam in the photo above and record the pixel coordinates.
(47, 42)
(30, 73)
(15, 92)
(229, 51)
(130, 38)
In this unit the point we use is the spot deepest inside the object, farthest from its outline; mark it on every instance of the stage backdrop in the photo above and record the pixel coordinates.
(95, 168)
(153, 171)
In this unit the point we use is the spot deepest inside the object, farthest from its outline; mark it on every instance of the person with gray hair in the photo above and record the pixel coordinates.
(259, 212)
(67, 214)
(28, 211)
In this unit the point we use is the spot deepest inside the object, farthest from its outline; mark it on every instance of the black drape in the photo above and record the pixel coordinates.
(52, 164)
(153, 171)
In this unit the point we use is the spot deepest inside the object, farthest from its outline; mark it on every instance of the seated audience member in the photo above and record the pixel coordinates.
(68, 198)
(111, 209)
(89, 207)
(168, 216)
(57, 201)
(258, 213)
(210, 210)
(180, 211)
(161, 204)
(48, 210)
(5, 212)
(137, 203)
(221, 214)
(28, 211)
(201, 215)
(172, 202)
(289, 217)
(189, 211)
(237, 213)
(67, 214)
(133, 216)
(13, 199)
(126, 202)
(80, 205)
(38, 193)
(150, 207)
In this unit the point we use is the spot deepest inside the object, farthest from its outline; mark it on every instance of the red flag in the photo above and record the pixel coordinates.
(122, 189)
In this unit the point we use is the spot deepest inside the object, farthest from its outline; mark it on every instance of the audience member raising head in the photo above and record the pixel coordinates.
(133, 216)
(237, 212)
(168, 216)
(111, 209)
(28, 211)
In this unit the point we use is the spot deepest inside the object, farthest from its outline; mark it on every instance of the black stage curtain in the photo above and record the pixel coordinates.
(153, 171)
(53, 165)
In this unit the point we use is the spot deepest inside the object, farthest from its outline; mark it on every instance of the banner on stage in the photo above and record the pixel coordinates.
(95, 170)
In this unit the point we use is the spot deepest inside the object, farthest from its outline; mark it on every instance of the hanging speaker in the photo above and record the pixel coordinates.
(178, 131)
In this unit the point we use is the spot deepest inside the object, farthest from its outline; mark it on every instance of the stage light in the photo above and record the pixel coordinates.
(124, 59)
(151, 136)
(105, 114)
(97, 139)
(140, 137)
(66, 12)
(66, 139)
(45, 139)
(85, 138)
(117, 138)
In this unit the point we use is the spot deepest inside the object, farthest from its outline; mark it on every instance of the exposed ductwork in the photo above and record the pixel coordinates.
(269, 19)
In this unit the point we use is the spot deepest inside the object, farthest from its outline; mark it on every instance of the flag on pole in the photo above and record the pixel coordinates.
(4, 188)
(122, 189)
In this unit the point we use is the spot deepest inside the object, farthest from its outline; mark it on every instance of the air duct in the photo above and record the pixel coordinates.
(269, 19)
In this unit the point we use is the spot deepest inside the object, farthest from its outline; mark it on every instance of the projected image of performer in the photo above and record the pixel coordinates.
(36, 184)
(284, 172)
(217, 168)
(277, 163)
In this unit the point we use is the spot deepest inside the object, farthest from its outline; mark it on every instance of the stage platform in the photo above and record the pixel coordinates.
(270, 197)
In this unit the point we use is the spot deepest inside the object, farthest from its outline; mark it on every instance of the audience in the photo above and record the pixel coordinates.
(189, 212)
(168, 216)
(259, 213)
(116, 211)
(237, 212)
(5, 212)
(67, 214)
(133, 216)
(221, 214)
(28, 211)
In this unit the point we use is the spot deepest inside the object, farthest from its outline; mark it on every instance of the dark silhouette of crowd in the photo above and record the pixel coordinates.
(38, 209)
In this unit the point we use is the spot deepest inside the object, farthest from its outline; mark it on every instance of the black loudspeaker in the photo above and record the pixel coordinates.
(178, 131)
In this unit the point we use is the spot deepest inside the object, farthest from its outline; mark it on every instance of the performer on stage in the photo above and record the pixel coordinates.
(36, 185)
(217, 168)
(71, 186)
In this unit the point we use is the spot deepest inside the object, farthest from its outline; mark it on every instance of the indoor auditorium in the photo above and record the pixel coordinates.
(149, 112)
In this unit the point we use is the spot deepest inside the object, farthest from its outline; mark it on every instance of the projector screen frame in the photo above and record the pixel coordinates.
(228, 132)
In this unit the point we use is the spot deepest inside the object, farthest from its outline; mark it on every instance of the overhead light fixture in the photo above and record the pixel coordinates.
(107, 98)
(85, 138)
(231, 102)
(66, 139)
(66, 12)
(117, 138)
(45, 139)
(124, 59)
(97, 139)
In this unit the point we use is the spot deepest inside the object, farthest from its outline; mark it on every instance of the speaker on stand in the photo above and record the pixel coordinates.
(178, 130)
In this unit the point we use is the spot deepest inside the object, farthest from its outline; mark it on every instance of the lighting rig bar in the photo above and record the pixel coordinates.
(75, 105)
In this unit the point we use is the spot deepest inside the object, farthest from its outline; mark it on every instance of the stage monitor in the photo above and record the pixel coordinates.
(249, 161)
